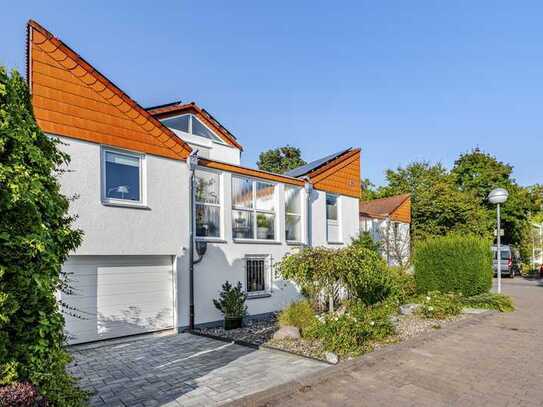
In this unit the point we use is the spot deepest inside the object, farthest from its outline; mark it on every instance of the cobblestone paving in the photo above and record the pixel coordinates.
(181, 370)
(497, 361)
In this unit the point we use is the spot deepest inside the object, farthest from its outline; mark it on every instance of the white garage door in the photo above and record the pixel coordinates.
(116, 296)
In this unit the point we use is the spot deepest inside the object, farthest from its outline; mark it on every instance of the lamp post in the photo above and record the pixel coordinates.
(498, 196)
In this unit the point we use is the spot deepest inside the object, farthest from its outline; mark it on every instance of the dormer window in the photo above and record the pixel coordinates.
(190, 124)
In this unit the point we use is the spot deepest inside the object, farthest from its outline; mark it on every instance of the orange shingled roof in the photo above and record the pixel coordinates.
(71, 98)
(162, 112)
(381, 208)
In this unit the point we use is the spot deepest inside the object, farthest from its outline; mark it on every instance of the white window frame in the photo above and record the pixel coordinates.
(267, 275)
(220, 205)
(300, 215)
(219, 141)
(255, 211)
(336, 222)
(142, 202)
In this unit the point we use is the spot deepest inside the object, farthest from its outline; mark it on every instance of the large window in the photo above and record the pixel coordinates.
(208, 204)
(189, 123)
(293, 213)
(257, 272)
(122, 177)
(332, 221)
(253, 209)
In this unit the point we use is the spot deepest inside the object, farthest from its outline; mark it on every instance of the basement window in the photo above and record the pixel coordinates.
(258, 275)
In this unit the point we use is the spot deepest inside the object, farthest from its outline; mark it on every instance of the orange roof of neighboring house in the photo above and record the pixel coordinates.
(386, 207)
(71, 98)
(175, 108)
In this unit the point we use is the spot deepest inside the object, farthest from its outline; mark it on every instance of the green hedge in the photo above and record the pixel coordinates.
(453, 263)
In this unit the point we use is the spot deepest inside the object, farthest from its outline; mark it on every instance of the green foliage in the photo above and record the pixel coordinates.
(453, 263)
(368, 191)
(280, 160)
(365, 240)
(314, 270)
(231, 301)
(477, 173)
(352, 332)
(299, 314)
(438, 206)
(36, 236)
(405, 286)
(436, 305)
(364, 274)
(498, 302)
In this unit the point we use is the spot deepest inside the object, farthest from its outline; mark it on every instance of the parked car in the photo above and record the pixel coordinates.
(510, 262)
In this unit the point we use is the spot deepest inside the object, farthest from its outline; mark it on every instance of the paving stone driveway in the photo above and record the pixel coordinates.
(182, 370)
(495, 361)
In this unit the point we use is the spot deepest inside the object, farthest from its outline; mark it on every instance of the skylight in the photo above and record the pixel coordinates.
(189, 123)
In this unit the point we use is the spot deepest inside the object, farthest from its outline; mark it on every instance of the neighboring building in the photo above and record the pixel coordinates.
(130, 173)
(388, 221)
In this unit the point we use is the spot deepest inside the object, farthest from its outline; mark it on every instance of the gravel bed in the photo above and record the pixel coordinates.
(410, 326)
(254, 331)
(312, 349)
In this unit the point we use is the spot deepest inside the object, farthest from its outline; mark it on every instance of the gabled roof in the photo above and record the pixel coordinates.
(314, 165)
(71, 98)
(177, 107)
(383, 207)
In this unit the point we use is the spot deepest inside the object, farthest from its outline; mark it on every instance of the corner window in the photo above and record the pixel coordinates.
(257, 274)
(253, 209)
(189, 123)
(293, 214)
(122, 176)
(207, 204)
(332, 223)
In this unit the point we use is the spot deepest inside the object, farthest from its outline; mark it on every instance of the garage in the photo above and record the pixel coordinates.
(116, 296)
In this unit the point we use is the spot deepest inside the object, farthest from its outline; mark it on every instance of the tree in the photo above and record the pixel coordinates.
(36, 236)
(280, 160)
(438, 206)
(477, 173)
(368, 191)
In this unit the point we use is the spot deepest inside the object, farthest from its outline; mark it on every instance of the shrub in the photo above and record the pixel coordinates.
(436, 305)
(21, 395)
(313, 269)
(498, 302)
(36, 236)
(364, 274)
(231, 301)
(299, 314)
(365, 240)
(352, 332)
(453, 263)
(405, 287)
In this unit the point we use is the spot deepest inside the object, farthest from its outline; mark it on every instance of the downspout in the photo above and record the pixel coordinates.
(192, 163)
(308, 186)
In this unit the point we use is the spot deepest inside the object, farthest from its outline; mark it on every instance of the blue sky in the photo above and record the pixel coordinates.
(405, 81)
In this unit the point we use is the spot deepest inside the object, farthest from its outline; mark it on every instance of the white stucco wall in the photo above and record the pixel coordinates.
(159, 229)
(217, 151)
(399, 244)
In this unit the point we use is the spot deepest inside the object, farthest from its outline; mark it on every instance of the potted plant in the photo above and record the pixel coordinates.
(263, 226)
(231, 303)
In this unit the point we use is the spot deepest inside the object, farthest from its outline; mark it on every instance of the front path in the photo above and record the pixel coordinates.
(497, 361)
(181, 370)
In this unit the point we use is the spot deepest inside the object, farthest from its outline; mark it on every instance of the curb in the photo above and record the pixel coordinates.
(269, 396)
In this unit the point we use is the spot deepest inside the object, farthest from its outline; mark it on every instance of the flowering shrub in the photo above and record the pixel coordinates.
(436, 305)
(21, 395)
(352, 332)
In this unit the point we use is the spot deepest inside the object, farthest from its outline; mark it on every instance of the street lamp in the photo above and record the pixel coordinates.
(498, 196)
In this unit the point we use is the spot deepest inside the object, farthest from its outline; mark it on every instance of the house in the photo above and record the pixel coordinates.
(388, 221)
(131, 170)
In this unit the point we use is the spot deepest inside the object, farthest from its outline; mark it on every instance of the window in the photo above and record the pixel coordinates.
(122, 176)
(257, 274)
(332, 223)
(208, 204)
(189, 123)
(253, 209)
(293, 214)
